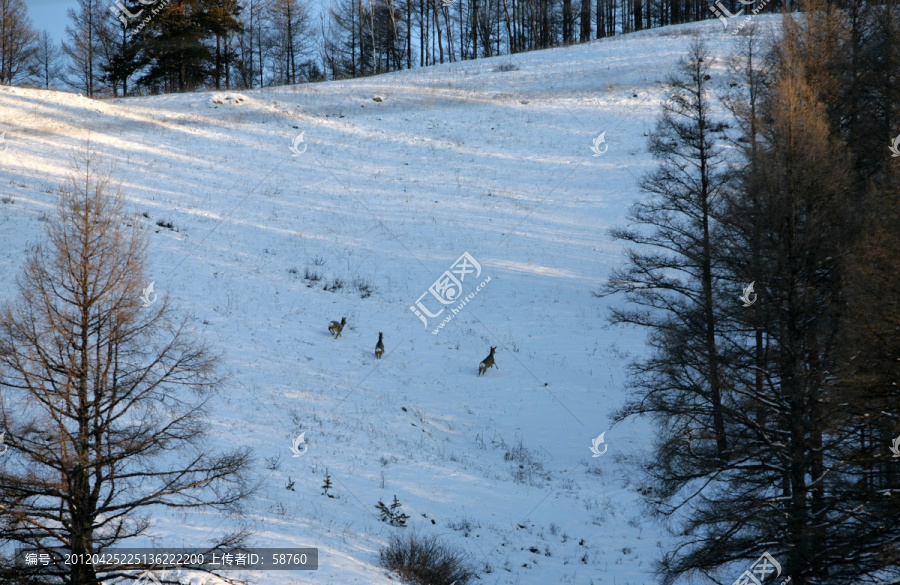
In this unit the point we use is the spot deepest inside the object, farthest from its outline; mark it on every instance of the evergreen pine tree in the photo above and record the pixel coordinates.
(392, 515)
(385, 511)
(327, 485)
(398, 518)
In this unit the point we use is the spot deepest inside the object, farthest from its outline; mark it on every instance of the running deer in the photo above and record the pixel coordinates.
(379, 347)
(488, 362)
(335, 328)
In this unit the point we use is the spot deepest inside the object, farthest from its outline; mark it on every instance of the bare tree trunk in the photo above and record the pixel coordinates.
(409, 34)
(375, 63)
(544, 40)
(474, 19)
(292, 64)
(437, 27)
(423, 32)
(509, 33)
(585, 32)
(445, 11)
(259, 46)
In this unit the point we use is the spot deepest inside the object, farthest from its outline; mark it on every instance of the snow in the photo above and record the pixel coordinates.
(457, 158)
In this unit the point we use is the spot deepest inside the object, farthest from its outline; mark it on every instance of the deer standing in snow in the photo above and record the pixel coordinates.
(488, 362)
(335, 328)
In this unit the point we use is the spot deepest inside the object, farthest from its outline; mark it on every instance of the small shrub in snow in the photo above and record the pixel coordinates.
(273, 463)
(679, 32)
(336, 284)
(518, 453)
(364, 287)
(426, 560)
(464, 525)
(527, 468)
(504, 67)
(312, 275)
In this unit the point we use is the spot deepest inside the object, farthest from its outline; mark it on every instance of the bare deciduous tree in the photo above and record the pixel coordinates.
(290, 18)
(18, 41)
(82, 48)
(102, 398)
(46, 61)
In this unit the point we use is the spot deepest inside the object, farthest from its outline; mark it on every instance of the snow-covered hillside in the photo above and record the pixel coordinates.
(466, 157)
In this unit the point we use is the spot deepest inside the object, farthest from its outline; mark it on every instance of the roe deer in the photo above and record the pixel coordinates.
(488, 362)
(335, 328)
(379, 347)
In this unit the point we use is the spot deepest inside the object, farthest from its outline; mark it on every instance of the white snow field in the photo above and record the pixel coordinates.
(464, 157)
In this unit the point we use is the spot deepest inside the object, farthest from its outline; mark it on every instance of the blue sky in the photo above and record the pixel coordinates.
(50, 15)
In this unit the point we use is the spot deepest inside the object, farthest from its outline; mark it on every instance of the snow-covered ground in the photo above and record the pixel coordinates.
(464, 157)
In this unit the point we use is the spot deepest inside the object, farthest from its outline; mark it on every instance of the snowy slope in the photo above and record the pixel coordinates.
(458, 158)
